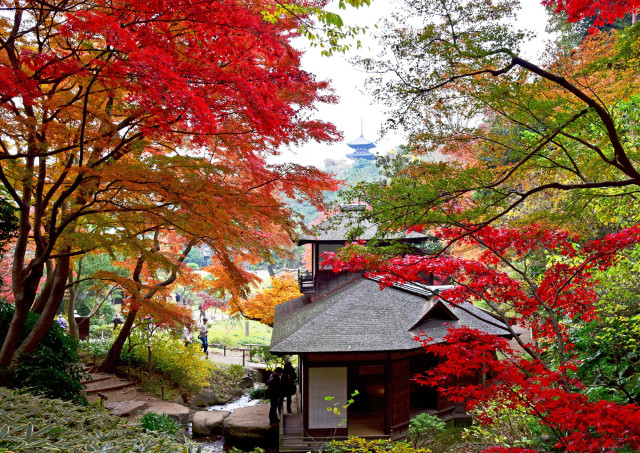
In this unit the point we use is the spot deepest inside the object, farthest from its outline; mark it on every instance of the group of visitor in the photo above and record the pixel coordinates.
(281, 386)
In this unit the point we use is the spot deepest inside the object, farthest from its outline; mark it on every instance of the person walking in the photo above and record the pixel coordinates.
(287, 387)
(186, 336)
(204, 336)
(62, 322)
(117, 321)
(273, 387)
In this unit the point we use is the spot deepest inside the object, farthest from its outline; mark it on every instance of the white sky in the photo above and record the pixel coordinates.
(348, 83)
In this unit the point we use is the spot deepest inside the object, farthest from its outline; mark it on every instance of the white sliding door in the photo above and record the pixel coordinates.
(323, 382)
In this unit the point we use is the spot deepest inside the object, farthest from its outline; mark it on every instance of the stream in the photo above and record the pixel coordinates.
(216, 444)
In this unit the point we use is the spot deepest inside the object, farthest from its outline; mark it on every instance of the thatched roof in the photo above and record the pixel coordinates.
(359, 317)
(337, 228)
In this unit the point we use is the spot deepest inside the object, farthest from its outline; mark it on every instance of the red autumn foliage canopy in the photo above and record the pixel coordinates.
(605, 11)
(564, 292)
(120, 118)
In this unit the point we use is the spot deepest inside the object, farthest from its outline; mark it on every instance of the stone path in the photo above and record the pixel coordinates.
(123, 398)
(116, 391)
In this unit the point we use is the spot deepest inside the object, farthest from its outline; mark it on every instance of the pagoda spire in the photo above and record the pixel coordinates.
(361, 146)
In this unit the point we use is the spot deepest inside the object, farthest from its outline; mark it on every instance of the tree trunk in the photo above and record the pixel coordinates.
(70, 308)
(113, 356)
(12, 340)
(24, 298)
(44, 323)
(41, 300)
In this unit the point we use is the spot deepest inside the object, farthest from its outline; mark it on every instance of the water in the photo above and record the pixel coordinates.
(244, 401)
(215, 444)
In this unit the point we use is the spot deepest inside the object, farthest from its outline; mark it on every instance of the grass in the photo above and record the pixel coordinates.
(258, 333)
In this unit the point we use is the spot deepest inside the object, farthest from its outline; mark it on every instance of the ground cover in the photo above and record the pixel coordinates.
(32, 423)
(231, 333)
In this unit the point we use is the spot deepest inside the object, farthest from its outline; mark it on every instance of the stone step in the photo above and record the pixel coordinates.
(98, 378)
(109, 386)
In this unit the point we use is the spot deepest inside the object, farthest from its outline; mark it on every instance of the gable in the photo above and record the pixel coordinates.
(438, 312)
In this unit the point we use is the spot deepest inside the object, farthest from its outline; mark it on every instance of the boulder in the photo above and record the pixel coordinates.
(249, 423)
(234, 393)
(183, 436)
(246, 382)
(126, 408)
(177, 412)
(256, 375)
(259, 385)
(207, 397)
(207, 423)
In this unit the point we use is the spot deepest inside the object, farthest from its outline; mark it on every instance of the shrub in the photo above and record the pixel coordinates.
(101, 330)
(98, 347)
(423, 427)
(258, 393)
(53, 368)
(159, 423)
(183, 365)
(358, 445)
(34, 424)
(225, 376)
(510, 428)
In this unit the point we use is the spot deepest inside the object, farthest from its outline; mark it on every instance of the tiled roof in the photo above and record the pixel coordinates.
(361, 142)
(361, 317)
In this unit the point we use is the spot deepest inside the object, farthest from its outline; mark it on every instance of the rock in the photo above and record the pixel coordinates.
(256, 375)
(235, 393)
(183, 436)
(178, 412)
(126, 408)
(178, 400)
(249, 423)
(259, 385)
(246, 382)
(207, 397)
(207, 423)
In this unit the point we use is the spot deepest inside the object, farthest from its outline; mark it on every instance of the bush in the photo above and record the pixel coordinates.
(98, 347)
(225, 376)
(359, 445)
(258, 393)
(101, 330)
(159, 423)
(33, 424)
(509, 428)
(53, 368)
(423, 427)
(183, 365)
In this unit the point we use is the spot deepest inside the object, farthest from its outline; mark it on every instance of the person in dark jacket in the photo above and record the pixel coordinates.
(273, 387)
(287, 386)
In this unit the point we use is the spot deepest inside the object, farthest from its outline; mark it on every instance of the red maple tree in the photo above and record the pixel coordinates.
(605, 11)
(540, 376)
(120, 118)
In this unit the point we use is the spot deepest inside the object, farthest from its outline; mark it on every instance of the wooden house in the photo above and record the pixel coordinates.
(350, 337)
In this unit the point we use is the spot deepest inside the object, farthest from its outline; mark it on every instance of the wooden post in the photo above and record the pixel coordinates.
(103, 398)
(149, 359)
